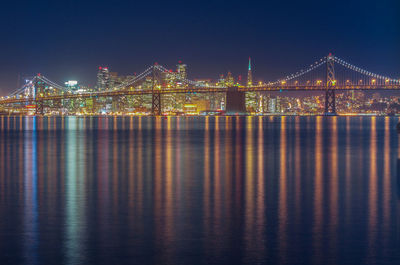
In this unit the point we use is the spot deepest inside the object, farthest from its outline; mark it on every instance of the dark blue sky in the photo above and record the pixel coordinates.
(69, 39)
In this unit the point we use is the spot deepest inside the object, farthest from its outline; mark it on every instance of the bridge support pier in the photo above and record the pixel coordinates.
(330, 102)
(39, 107)
(156, 104)
(235, 102)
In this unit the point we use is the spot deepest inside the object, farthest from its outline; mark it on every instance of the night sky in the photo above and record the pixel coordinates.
(67, 40)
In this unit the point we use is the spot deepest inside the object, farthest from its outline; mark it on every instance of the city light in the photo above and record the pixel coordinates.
(172, 92)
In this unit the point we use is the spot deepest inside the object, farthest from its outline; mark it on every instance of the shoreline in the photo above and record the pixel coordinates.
(188, 116)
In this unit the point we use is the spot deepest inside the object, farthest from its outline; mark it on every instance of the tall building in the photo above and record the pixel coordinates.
(252, 98)
(249, 75)
(115, 79)
(181, 70)
(221, 81)
(168, 79)
(103, 78)
(230, 81)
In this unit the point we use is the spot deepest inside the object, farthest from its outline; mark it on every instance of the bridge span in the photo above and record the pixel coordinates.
(346, 77)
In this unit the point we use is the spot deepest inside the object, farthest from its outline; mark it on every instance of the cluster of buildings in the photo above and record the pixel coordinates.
(195, 103)
(257, 103)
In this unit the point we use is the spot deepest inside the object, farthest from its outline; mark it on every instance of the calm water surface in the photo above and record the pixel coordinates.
(199, 190)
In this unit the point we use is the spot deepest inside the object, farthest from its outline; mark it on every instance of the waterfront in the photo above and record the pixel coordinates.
(199, 190)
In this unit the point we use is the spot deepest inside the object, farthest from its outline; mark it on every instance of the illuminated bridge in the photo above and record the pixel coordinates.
(329, 74)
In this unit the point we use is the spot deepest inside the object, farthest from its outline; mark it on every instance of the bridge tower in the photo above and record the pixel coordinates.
(39, 87)
(156, 96)
(330, 97)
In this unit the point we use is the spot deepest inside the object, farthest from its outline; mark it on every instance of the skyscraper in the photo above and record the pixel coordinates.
(115, 79)
(103, 78)
(249, 75)
(252, 98)
(181, 70)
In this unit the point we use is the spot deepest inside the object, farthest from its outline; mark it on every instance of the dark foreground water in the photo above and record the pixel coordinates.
(198, 190)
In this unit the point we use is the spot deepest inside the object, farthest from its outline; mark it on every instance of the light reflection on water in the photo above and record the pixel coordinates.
(199, 190)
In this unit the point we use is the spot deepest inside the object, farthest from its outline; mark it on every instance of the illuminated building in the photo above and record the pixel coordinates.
(103, 78)
(84, 89)
(272, 105)
(249, 75)
(72, 85)
(253, 99)
(115, 80)
(203, 82)
(196, 107)
(202, 105)
(230, 81)
(221, 81)
(181, 71)
(190, 109)
(171, 80)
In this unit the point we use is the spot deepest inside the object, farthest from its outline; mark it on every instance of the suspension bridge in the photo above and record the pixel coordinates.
(329, 75)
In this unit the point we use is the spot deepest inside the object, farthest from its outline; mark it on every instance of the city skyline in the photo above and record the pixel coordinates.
(162, 91)
(239, 78)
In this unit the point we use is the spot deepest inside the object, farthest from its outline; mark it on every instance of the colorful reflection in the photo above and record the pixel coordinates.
(199, 190)
(31, 205)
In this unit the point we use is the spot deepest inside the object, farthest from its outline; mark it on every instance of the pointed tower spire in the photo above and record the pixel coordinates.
(249, 75)
(249, 64)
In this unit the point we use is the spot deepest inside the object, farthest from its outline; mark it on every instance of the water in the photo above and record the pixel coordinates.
(199, 190)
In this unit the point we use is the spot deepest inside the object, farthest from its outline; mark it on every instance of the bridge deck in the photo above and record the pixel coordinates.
(202, 90)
